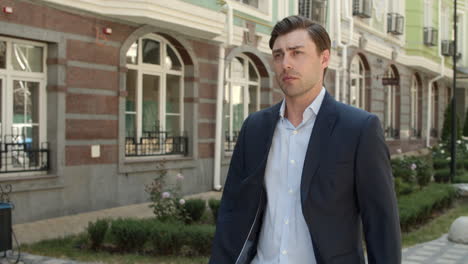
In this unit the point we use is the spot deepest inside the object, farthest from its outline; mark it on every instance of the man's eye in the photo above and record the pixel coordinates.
(296, 52)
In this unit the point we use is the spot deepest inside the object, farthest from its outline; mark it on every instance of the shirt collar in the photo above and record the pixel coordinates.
(314, 106)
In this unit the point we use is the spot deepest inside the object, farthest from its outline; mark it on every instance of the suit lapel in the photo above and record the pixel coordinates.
(318, 141)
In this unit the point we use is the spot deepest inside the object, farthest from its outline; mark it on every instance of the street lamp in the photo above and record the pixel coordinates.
(454, 104)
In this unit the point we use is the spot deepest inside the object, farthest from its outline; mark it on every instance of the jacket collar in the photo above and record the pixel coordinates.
(318, 142)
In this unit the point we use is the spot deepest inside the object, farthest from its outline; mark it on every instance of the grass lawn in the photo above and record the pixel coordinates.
(67, 248)
(438, 226)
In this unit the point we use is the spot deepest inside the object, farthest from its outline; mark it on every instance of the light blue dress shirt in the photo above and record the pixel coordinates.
(284, 237)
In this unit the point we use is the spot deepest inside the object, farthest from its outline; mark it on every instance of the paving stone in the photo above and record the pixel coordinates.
(417, 258)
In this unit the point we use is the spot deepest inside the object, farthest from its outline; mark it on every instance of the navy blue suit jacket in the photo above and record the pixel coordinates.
(346, 180)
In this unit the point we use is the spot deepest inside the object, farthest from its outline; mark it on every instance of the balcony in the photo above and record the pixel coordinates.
(18, 154)
(393, 133)
(362, 8)
(395, 23)
(430, 36)
(156, 143)
(415, 133)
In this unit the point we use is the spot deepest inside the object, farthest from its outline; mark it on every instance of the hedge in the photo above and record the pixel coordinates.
(195, 209)
(97, 231)
(417, 207)
(150, 236)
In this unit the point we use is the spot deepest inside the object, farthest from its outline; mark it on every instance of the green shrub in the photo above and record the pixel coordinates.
(130, 234)
(441, 164)
(417, 207)
(214, 206)
(423, 174)
(401, 168)
(447, 125)
(465, 164)
(179, 239)
(462, 178)
(97, 231)
(442, 175)
(165, 238)
(195, 209)
(198, 239)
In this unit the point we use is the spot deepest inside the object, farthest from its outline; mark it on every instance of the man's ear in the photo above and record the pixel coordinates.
(325, 58)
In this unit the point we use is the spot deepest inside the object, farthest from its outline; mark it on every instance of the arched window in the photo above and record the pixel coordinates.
(415, 106)
(391, 111)
(241, 96)
(23, 105)
(154, 104)
(357, 93)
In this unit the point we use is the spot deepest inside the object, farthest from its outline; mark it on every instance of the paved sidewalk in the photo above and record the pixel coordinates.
(439, 251)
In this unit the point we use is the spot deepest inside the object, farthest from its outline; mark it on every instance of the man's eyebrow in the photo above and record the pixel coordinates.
(288, 48)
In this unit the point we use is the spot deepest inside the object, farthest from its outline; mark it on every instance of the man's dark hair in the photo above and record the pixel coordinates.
(317, 33)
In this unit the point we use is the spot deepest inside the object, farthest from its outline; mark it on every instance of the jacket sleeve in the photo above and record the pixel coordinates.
(376, 196)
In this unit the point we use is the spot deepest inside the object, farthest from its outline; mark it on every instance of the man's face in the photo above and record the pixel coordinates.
(297, 63)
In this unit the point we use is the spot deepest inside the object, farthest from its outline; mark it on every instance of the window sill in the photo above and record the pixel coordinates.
(144, 159)
(147, 164)
(26, 176)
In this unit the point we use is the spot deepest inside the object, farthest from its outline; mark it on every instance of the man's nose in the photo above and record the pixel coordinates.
(287, 63)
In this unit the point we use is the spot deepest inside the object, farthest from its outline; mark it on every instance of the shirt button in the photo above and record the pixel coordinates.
(294, 132)
(284, 252)
(293, 162)
(286, 221)
(290, 191)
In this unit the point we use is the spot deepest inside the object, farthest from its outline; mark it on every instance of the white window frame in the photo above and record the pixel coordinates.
(445, 34)
(8, 76)
(428, 13)
(161, 72)
(360, 77)
(245, 83)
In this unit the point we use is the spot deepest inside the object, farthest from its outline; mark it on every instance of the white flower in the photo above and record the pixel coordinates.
(442, 151)
(181, 201)
(449, 158)
(166, 195)
(180, 176)
(398, 151)
(413, 166)
(458, 141)
(441, 145)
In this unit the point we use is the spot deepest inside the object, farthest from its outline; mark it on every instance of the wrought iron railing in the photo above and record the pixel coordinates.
(392, 133)
(18, 154)
(416, 133)
(156, 143)
(230, 140)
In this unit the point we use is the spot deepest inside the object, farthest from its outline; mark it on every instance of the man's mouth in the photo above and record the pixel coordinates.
(288, 78)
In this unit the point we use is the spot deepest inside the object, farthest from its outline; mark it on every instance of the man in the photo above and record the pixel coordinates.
(306, 172)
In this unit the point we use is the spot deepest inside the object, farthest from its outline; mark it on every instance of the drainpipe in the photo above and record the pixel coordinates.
(431, 82)
(344, 60)
(219, 102)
